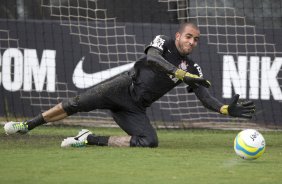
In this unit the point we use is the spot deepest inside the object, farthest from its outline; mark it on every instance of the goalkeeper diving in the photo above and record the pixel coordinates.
(164, 65)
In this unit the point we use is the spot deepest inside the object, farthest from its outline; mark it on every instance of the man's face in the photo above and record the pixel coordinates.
(187, 40)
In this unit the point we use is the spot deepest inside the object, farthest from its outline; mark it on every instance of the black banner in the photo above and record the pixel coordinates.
(43, 62)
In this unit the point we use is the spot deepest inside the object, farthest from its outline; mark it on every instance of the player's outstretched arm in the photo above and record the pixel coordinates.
(206, 98)
(155, 58)
(191, 79)
(244, 109)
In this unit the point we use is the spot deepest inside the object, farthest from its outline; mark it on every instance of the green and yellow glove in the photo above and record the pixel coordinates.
(191, 79)
(242, 110)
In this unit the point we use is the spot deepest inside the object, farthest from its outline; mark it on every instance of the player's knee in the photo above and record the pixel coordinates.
(70, 106)
(145, 141)
(152, 142)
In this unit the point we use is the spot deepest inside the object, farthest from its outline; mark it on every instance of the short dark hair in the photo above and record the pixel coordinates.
(184, 24)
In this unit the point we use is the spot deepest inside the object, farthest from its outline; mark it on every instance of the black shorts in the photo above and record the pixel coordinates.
(114, 95)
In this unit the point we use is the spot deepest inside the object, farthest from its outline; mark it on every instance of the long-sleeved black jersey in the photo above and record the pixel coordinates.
(154, 70)
(154, 74)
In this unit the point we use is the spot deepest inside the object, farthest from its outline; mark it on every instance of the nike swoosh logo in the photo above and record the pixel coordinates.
(85, 80)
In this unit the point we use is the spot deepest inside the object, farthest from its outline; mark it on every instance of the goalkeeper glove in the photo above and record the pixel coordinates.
(191, 79)
(243, 110)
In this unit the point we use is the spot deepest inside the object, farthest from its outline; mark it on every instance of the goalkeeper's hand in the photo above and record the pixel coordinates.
(243, 110)
(191, 79)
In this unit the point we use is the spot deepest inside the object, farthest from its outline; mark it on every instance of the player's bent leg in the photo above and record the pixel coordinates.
(80, 140)
(137, 125)
(119, 141)
(150, 141)
(133, 141)
(15, 127)
(122, 141)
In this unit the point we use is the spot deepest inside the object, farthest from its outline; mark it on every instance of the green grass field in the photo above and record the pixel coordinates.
(183, 156)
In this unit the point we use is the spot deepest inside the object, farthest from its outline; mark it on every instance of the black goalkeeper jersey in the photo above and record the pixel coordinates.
(150, 82)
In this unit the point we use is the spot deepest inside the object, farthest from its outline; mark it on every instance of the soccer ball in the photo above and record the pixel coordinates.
(249, 144)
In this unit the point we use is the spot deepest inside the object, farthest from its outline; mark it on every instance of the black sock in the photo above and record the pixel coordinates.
(36, 121)
(97, 140)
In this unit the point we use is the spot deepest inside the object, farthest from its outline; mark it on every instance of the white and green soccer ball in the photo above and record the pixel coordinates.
(249, 144)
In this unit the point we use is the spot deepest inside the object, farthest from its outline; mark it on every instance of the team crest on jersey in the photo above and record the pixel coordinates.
(183, 65)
